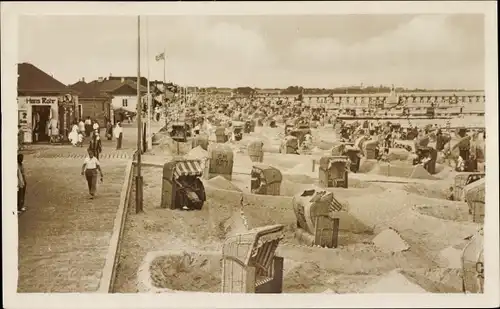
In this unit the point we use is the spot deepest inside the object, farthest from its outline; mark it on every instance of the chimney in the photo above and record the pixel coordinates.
(123, 79)
(83, 79)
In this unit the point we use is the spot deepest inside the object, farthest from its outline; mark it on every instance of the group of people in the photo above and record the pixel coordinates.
(90, 129)
(82, 129)
(87, 129)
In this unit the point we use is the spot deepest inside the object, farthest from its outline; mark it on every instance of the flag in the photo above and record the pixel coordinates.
(160, 57)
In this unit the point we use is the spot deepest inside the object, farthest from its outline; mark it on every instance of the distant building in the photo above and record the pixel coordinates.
(123, 93)
(267, 92)
(93, 102)
(224, 91)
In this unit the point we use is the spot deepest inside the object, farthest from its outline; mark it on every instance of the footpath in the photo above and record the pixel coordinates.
(64, 236)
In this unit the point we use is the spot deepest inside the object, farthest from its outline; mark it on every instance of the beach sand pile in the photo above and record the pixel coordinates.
(261, 210)
(282, 162)
(426, 235)
(453, 211)
(219, 182)
(304, 168)
(400, 170)
(236, 223)
(167, 146)
(436, 279)
(197, 153)
(160, 138)
(324, 144)
(451, 257)
(398, 154)
(389, 240)
(438, 190)
(306, 276)
(366, 166)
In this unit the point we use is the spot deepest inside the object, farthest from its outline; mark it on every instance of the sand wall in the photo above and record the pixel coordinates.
(393, 208)
(401, 170)
(366, 166)
(260, 210)
(222, 206)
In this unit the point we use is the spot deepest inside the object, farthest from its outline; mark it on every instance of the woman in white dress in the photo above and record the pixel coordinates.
(53, 129)
(73, 136)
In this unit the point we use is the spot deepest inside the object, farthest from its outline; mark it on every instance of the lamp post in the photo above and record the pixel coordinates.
(138, 177)
(149, 113)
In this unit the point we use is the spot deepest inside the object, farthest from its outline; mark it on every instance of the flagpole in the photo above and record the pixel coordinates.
(164, 67)
(138, 177)
(149, 141)
(165, 85)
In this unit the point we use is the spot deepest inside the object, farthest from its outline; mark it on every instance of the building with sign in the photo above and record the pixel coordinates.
(43, 103)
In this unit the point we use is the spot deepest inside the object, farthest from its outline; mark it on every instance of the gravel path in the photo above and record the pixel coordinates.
(64, 235)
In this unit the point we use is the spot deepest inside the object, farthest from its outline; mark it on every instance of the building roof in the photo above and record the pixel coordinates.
(143, 80)
(88, 90)
(32, 79)
(109, 86)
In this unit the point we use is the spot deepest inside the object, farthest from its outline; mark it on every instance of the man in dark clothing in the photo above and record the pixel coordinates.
(95, 144)
(88, 126)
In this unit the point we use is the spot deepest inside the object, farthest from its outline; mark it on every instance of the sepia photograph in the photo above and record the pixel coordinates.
(226, 153)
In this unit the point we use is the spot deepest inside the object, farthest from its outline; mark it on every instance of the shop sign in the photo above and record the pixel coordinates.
(23, 119)
(42, 100)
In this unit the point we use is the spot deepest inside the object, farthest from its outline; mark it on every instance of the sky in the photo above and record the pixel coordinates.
(320, 51)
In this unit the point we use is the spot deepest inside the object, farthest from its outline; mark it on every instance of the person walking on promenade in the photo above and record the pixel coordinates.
(95, 125)
(54, 130)
(118, 131)
(81, 127)
(88, 126)
(90, 167)
(21, 184)
(95, 144)
(20, 137)
(109, 130)
(73, 136)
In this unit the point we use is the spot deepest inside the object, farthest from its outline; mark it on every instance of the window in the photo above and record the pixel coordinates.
(124, 102)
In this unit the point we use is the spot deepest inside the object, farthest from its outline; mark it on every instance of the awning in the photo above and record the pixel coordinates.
(188, 168)
(338, 160)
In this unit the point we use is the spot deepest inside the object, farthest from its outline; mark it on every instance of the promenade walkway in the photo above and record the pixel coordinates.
(64, 235)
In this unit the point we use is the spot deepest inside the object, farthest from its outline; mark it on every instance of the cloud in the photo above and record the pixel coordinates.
(234, 46)
(211, 53)
(413, 52)
(421, 37)
(264, 51)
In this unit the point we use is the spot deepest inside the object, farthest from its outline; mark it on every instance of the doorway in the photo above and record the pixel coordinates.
(40, 118)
